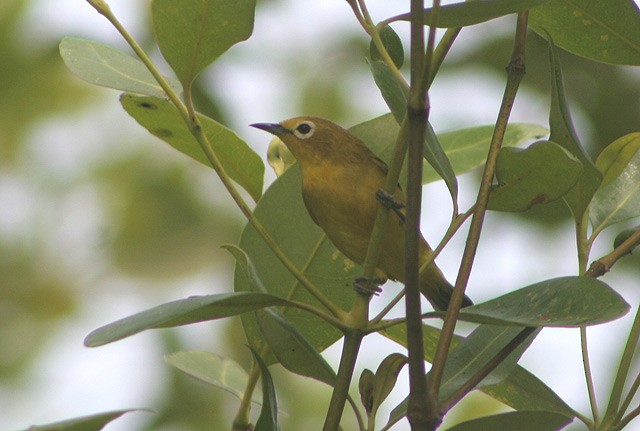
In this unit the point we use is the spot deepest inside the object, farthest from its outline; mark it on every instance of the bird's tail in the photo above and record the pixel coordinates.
(437, 289)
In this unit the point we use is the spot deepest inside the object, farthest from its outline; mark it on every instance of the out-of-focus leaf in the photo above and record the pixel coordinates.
(221, 372)
(86, 423)
(618, 197)
(103, 65)
(268, 419)
(375, 388)
(475, 12)
(539, 174)
(183, 312)
(521, 421)
(624, 235)
(563, 133)
(162, 119)
(559, 302)
(292, 349)
(606, 31)
(392, 44)
(192, 33)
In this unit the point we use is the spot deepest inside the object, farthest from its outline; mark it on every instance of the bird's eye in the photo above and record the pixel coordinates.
(304, 130)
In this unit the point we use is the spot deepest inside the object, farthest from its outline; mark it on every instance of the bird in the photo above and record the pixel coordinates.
(342, 180)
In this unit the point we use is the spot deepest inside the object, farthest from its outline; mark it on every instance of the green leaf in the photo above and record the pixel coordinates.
(469, 355)
(183, 312)
(268, 419)
(475, 12)
(86, 423)
(618, 198)
(375, 388)
(563, 133)
(292, 349)
(103, 65)
(221, 372)
(521, 390)
(465, 148)
(438, 160)
(282, 213)
(392, 44)
(624, 235)
(394, 94)
(606, 31)
(162, 119)
(482, 345)
(539, 174)
(559, 302)
(521, 421)
(192, 33)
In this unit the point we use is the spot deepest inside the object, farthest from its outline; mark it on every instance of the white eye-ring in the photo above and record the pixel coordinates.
(305, 129)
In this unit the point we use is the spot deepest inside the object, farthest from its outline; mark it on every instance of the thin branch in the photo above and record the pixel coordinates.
(515, 72)
(593, 403)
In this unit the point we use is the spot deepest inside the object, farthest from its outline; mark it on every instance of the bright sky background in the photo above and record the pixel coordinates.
(119, 376)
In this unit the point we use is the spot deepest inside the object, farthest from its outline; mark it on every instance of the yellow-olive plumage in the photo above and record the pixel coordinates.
(340, 178)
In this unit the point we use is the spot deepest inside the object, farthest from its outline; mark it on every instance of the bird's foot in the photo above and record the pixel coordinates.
(368, 286)
(389, 202)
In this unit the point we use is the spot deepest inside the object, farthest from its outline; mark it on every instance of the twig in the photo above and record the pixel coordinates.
(515, 72)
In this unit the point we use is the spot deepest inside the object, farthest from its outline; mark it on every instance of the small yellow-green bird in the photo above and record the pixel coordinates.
(340, 180)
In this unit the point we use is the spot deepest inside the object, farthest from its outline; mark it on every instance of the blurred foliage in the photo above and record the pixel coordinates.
(161, 227)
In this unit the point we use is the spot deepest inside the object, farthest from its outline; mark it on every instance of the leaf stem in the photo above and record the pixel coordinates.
(350, 348)
(515, 72)
(589, 375)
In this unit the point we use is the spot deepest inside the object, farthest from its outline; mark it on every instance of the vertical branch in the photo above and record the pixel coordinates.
(421, 415)
(515, 72)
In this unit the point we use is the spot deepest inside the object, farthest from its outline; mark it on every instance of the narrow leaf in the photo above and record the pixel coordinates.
(475, 12)
(183, 312)
(482, 345)
(292, 349)
(521, 390)
(618, 198)
(521, 421)
(268, 419)
(559, 302)
(386, 377)
(563, 133)
(103, 65)
(606, 31)
(86, 423)
(392, 44)
(393, 93)
(221, 372)
(162, 119)
(192, 33)
(539, 174)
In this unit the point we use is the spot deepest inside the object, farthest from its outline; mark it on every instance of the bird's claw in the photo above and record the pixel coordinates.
(389, 202)
(368, 286)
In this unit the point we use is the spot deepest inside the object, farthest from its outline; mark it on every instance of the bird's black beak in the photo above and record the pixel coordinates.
(273, 128)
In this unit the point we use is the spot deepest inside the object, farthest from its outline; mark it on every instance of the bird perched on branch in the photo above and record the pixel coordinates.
(341, 184)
